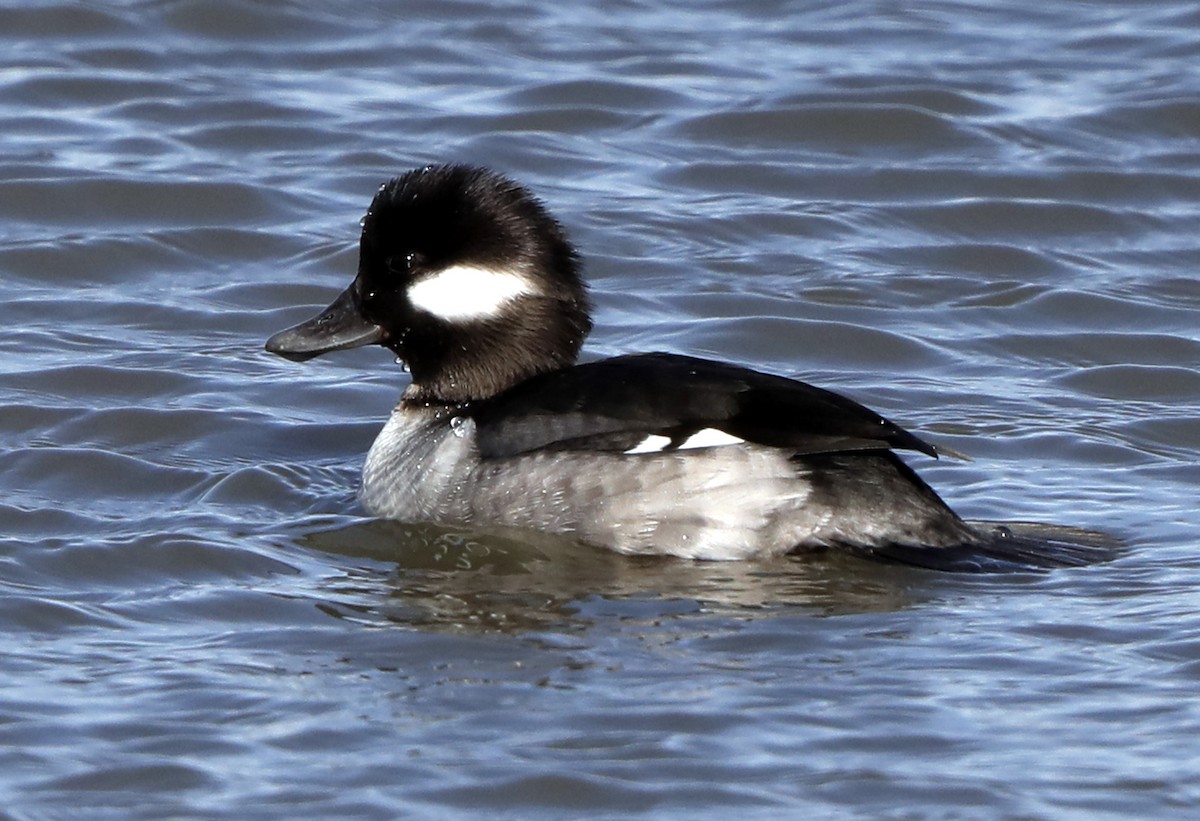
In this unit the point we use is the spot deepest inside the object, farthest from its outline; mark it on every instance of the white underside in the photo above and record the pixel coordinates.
(713, 503)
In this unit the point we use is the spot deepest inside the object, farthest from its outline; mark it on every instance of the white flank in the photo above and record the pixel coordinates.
(651, 444)
(710, 438)
(462, 293)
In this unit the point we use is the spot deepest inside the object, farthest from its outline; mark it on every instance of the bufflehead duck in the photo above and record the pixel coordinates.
(467, 278)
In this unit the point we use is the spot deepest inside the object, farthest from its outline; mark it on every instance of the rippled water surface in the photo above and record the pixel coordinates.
(983, 221)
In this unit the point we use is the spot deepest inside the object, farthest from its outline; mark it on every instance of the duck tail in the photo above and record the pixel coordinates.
(1010, 547)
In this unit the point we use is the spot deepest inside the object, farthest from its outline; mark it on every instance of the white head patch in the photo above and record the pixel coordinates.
(462, 293)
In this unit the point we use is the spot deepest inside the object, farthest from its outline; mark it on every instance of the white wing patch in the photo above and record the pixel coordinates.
(706, 438)
(710, 438)
(651, 444)
(462, 293)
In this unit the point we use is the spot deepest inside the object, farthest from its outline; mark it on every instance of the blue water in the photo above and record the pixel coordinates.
(979, 220)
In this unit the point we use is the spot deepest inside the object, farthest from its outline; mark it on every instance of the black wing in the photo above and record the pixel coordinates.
(614, 404)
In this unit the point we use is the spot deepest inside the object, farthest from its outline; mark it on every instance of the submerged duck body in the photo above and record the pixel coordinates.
(530, 457)
(465, 277)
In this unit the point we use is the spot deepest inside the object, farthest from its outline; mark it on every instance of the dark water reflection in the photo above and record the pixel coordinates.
(469, 580)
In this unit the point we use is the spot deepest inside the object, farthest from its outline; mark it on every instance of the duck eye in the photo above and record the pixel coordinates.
(404, 263)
